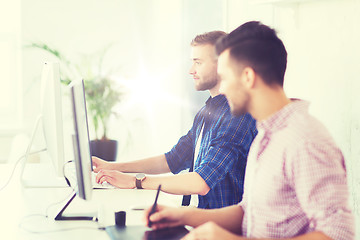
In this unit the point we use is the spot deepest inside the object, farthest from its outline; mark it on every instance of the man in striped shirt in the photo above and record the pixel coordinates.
(295, 181)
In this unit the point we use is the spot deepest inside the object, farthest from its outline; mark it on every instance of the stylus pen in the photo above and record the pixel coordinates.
(153, 209)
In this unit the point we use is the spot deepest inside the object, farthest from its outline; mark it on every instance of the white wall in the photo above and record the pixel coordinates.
(322, 39)
(151, 45)
(142, 49)
(10, 74)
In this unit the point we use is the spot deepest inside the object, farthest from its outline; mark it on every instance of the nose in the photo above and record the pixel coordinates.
(192, 70)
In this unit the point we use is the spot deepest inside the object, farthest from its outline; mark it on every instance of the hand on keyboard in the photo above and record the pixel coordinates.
(99, 185)
(117, 178)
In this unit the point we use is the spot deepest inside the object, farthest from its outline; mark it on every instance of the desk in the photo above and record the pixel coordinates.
(22, 205)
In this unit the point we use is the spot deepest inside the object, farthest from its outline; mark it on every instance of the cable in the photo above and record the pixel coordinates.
(21, 226)
(17, 162)
(56, 203)
(30, 144)
(68, 182)
(66, 178)
(46, 217)
(34, 131)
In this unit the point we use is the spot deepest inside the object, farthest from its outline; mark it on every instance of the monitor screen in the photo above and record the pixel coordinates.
(83, 163)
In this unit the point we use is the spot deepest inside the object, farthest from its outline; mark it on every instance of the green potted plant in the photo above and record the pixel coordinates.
(102, 95)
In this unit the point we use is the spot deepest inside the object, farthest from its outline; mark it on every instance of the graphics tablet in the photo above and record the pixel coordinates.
(145, 233)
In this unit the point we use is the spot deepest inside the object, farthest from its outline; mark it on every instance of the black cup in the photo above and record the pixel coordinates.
(120, 218)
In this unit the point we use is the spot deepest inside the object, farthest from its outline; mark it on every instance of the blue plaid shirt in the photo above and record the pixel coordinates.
(222, 155)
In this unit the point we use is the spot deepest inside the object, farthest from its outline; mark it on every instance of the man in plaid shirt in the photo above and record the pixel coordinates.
(295, 180)
(215, 149)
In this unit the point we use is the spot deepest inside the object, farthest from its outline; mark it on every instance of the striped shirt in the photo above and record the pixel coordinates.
(295, 179)
(222, 155)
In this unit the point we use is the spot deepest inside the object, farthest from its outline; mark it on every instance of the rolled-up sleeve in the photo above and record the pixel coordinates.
(181, 155)
(232, 142)
(319, 177)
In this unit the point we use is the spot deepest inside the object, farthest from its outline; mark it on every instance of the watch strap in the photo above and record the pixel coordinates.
(138, 184)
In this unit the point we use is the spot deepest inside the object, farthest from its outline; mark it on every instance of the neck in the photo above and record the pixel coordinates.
(267, 102)
(215, 90)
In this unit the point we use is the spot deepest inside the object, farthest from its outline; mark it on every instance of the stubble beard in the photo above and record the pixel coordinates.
(206, 84)
(239, 109)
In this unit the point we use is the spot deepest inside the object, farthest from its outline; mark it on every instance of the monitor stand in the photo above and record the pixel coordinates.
(61, 217)
(39, 174)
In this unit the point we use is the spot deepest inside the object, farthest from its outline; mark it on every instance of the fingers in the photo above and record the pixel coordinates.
(99, 164)
(106, 176)
(157, 216)
(148, 218)
(161, 225)
(163, 218)
(210, 231)
(146, 215)
(147, 212)
(197, 233)
(116, 178)
(103, 175)
(99, 176)
(107, 179)
(95, 162)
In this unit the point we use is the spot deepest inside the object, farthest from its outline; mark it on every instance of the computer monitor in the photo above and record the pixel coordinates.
(52, 116)
(49, 171)
(81, 143)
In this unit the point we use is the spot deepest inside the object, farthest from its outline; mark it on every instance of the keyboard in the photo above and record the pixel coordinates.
(104, 185)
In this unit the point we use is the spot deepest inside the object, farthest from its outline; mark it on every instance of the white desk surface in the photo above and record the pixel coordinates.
(20, 209)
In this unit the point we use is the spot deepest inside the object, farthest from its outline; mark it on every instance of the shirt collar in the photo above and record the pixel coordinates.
(215, 101)
(281, 118)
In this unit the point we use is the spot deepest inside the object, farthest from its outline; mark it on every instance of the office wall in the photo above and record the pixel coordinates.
(146, 48)
(150, 45)
(10, 76)
(322, 39)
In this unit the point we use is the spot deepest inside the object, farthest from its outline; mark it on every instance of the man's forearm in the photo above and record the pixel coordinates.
(312, 236)
(183, 184)
(308, 236)
(152, 165)
(229, 218)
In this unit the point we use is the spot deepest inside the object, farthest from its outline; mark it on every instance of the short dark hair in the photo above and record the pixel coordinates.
(208, 38)
(257, 46)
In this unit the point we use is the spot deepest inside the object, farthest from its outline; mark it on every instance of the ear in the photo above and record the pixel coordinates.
(249, 77)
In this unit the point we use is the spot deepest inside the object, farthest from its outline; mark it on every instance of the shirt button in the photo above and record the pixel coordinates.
(312, 224)
(209, 113)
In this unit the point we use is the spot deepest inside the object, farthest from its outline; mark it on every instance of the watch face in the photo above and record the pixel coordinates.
(140, 176)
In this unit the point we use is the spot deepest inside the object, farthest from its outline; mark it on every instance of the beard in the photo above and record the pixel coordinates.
(239, 108)
(206, 83)
(238, 111)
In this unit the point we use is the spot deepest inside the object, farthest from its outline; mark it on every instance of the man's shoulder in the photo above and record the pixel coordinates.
(308, 134)
(240, 119)
(307, 127)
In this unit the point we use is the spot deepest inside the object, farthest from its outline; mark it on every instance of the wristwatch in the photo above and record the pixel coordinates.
(139, 178)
